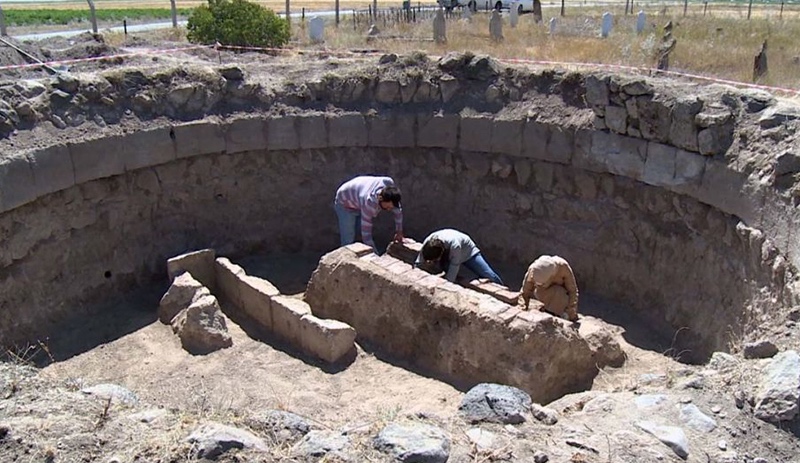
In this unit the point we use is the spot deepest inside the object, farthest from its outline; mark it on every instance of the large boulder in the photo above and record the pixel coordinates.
(779, 390)
(495, 403)
(181, 294)
(414, 442)
(202, 327)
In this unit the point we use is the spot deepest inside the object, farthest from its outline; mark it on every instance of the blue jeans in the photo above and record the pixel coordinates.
(477, 264)
(349, 224)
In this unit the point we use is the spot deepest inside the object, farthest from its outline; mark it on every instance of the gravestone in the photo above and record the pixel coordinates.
(466, 13)
(513, 14)
(760, 68)
(316, 30)
(553, 24)
(439, 28)
(666, 46)
(641, 20)
(537, 11)
(496, 26)
(608, 20)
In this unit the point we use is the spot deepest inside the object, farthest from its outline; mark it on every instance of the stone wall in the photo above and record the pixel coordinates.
(690, 234)
(449, 331)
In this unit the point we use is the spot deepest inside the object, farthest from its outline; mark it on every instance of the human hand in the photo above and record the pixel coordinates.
(398, 237)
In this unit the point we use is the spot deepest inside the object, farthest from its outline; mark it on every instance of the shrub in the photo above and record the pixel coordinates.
(237, 22)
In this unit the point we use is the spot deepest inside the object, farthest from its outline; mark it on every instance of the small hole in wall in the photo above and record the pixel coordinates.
(107, 274)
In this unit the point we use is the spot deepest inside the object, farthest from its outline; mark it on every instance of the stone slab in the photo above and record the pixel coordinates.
(228, 276)
(313, 131)
(392, 131)
(246, 134)
(99, 158)
(198, 137)
(438, 131)
(287, 315)
(476, 134)
(200, 264)
(17, 186)
(282, 133)
(507, 137)
(347, 130)
(329, 340)
(256, 295)
(146, 148)
(52, 169)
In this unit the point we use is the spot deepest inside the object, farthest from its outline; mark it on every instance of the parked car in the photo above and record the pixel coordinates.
(522, 5)
(449, 5)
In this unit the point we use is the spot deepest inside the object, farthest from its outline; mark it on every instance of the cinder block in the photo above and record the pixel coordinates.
(197, 138)
(533, 316)
(99, 158)
(287, 314)
(228, 278)
(147, 148)
(507, 137)
(385, 261)
(257, 294)
(313, 134)
(200, 264)
(347, 130)
(395, 130)
(476, 134)
(246, 134)
(52, 169)
(360, 249)
(492, 306)
(437, 131)
(329, 340)
(407, 251)
(17, 186)
(509, 314)
(282, 133)
(399, 267)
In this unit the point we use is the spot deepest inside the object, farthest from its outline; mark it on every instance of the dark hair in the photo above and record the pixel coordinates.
(433, 249)
(391, 193)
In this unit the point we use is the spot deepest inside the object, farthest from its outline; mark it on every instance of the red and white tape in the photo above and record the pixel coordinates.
(649, 71)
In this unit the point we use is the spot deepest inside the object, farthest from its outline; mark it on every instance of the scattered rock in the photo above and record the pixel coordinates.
(482, 438)
(232, 72)
(692, 417)
(671, 436)
(148, 416)
(648, 401)
(321, 443)
(540, 457)
(280, 425)
(414, 442)
(184, 291)
(722, 362)
(213, 439)
(779, 389)
(760, 349)
(202, 327)
(111, 391)
(495, 403)
(545, 415)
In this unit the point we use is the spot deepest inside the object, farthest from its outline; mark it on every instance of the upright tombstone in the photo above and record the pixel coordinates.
(496, 26)
(537, 11)
(641, 20)
(466, 13)
(553, 24)
(316, 30)
(513, 14)
(608, 21)
(760, 68)
(439, 27)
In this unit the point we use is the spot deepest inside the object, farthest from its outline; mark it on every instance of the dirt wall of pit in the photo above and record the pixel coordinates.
(662, 198)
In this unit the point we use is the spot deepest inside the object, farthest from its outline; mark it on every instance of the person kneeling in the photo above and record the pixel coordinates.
(449, 249)
(550, 280)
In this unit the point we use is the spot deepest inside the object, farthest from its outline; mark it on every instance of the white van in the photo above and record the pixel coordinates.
(522, 5)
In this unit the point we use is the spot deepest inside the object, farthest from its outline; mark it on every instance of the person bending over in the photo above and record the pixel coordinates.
(450, 249)
(359, 200)
(550, 280)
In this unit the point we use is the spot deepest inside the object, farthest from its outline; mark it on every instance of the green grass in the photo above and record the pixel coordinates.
(65, 16)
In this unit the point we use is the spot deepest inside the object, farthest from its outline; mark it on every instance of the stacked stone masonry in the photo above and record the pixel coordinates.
(676, 158)
(447, 330)
(287, 318)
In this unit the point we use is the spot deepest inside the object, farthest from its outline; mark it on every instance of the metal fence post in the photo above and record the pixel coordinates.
(92, 16)
(174, 13)
(288, 18)
(337, 13)
(749, 9)
(4, 33)
(375, 9)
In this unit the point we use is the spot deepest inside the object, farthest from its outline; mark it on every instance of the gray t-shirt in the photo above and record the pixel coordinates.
(461, 248)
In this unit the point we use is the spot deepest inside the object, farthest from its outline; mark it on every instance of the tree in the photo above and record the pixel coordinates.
(237, 22)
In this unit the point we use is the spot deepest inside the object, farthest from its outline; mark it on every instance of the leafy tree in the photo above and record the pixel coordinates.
(237, 22)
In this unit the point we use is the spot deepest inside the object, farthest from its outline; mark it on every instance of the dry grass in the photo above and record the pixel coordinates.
(721, 46)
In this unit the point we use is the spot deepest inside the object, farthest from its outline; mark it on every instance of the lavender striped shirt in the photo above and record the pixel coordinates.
(361, 194)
